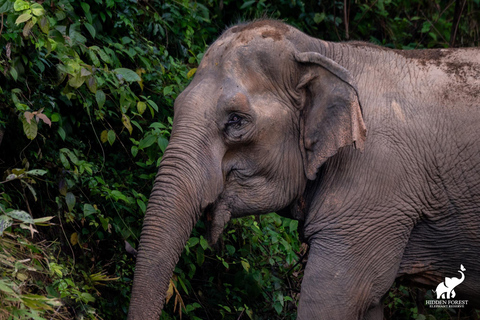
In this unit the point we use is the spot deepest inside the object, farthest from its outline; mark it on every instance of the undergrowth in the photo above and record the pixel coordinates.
(86, 106)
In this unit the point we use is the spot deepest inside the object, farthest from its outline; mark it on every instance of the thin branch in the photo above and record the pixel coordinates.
(438, 18)
(459, 6)
(1, 27)
(345, 18)
(364, 13)
(240, 316)
(433, 26)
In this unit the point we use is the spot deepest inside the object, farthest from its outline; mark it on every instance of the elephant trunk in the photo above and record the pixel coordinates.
(188, 180)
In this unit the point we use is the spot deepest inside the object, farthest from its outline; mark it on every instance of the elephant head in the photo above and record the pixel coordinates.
(262, 114)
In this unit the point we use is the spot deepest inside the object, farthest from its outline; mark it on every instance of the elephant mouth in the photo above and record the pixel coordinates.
(216, 217)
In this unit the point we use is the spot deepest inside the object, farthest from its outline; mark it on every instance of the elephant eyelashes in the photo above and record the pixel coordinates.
(234, 120)
(237, 128)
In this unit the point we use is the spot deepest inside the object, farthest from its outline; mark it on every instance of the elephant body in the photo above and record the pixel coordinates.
(375, 152)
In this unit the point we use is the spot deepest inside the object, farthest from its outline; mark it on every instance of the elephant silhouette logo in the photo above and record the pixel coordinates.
(445, 289)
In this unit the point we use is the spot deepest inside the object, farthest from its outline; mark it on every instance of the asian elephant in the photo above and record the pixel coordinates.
(375, 151)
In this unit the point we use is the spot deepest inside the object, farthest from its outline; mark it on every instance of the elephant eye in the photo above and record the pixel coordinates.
(234, 120)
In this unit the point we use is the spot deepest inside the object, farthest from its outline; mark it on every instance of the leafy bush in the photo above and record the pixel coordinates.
(86, 96)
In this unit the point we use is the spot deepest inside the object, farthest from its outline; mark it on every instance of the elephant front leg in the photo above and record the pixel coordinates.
(341, 285)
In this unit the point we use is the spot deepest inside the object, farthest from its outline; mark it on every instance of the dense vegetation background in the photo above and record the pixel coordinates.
(86, 96)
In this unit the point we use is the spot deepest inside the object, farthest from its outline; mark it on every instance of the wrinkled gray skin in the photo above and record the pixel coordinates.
(272, 121)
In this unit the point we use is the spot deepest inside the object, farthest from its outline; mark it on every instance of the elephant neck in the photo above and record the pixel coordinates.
(357, 57)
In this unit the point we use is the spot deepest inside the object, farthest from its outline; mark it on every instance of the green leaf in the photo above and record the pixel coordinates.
(141, 107)
(61, 132)
(21, 5)
(278, 307)
(279, 298)
(5, 222)
(75, 35)
(153, 105)
(100, 97)
(37, 9)
(6, 6)
(64, 161)
(60, 15)
(3, 284)
(105, 57)
(76, 81)
(204, 243)
(147, 141)
(200, 256)
(247, 4)
(142, 205)
(227, 308)
(21, 276)
(85, 7)
(245, 265)
(70, 200)
(134, 151)
(37, 172)
(14, 74)
(87, 297)
(71, 155)
(162, 143)
(21, 215)
(111, 136)
(30, 129)
(41, 221)
(191, 73)
(84, 72)
(426, 27)
(117, 195)
(94, 58)
(44, 25)
(55, 117)
(126, 123)
(319, 17)
(192, 242)
(28, 27)
(90, 29)
(127, 74)
(23, 17)
(92, 84)
(104, 136)
(230, 249)
(88, 209)
(167, 90)
(293, 225)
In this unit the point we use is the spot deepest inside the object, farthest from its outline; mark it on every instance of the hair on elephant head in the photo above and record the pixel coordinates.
(271, 122)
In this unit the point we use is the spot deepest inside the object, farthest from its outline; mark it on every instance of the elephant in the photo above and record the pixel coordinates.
(446, 288)
(374, 151)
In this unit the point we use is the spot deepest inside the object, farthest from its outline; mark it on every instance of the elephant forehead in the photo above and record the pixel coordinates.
(275, 30)
(243, 41)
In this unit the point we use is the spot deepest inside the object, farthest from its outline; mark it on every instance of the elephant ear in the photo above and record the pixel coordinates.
(332, 115)
(449, 282)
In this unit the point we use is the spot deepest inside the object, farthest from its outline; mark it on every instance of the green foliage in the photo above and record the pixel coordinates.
(85, 118)
(253, 271)
(86, 107)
